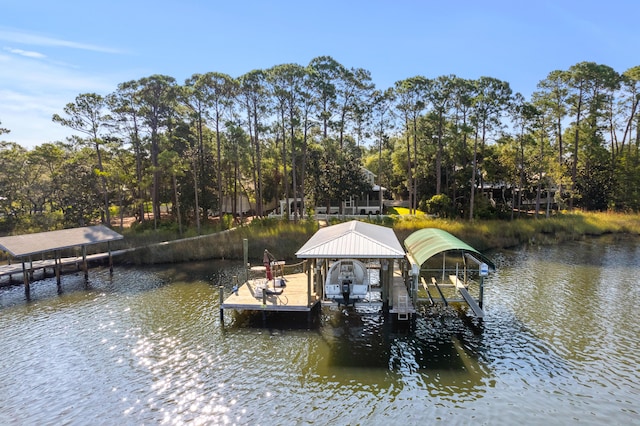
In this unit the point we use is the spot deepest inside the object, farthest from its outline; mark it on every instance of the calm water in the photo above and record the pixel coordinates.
(560, 344)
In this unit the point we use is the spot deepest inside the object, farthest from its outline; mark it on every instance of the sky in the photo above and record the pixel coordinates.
(53, 51)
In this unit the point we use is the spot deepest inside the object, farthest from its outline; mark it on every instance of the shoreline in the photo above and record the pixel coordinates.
(285, 238)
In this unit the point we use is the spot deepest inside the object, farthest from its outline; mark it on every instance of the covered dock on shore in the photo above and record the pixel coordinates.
(44, 250)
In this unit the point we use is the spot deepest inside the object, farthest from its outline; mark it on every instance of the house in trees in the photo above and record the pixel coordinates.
(364, 203)
(240, 205)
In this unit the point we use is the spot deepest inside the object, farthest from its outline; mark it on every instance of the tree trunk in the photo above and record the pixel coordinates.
(196, 201)
(473, 176)
(574, 166)
(177, 198)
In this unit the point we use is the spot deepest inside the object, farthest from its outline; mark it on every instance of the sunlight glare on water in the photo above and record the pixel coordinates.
(558, 344)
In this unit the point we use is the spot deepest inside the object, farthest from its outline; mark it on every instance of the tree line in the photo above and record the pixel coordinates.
(453, 146)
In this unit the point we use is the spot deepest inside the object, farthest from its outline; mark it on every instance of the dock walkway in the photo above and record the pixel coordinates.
(76, 262)
(402, 304)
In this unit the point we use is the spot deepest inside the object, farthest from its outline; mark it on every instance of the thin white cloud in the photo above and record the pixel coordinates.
(32, 90)
(21, 37)
(23, 74)
(27, 53)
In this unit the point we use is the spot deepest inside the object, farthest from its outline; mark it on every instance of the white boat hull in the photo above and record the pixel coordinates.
(347, 282)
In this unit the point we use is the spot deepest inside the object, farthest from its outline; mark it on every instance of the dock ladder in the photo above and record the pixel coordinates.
(403, 308)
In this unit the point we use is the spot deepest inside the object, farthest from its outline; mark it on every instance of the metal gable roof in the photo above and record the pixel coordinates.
(42, 242)
(428, 242)
(354, 239)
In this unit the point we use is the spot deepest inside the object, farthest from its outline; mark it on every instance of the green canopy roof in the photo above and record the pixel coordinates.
(428, 242)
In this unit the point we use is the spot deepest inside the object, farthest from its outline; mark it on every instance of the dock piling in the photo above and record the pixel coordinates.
(25, 274)
(221, 288)
(85, 266)
(245, 252)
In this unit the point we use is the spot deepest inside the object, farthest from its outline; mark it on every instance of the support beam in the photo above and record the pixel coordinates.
(25, 275)
(435, 283)
(221, 295)
(85, 267)
(57, 259)
(384, 278)
(110, 258)
(477, 310)
(307, 269)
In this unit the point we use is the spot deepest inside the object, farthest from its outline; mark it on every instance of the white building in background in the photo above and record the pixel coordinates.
(371, 202)
(242, 204)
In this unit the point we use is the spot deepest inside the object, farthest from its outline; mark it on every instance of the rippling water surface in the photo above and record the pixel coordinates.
(560, 344)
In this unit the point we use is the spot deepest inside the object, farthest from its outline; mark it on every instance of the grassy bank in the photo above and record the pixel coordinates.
(284, 238)
(485, 235)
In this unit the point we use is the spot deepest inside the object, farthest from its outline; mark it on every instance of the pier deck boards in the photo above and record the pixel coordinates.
(294, 297)
(75, 261)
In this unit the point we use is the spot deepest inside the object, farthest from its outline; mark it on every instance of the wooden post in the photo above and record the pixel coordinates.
(307, 269)
(221, 294)
(245, 252)
(84, 264)
(110, 258)
(481, 297)
(25, 276)
(30, 268)
(384, 281)
(57, 260)
(318, 278)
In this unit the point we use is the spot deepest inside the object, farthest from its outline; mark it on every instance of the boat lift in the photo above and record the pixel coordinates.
(455, 284)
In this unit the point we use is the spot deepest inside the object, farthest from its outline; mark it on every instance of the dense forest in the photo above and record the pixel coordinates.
(448, 145)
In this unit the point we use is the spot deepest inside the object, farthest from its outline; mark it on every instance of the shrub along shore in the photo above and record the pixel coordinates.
(283, 238)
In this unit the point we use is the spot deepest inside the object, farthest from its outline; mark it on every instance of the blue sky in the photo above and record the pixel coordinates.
(51, 51)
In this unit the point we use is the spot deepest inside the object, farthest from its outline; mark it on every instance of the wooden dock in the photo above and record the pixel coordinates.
(297, 296)
(74, 262)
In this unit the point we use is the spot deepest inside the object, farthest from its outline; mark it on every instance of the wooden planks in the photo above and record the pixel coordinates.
(294, 296)
(402, 304)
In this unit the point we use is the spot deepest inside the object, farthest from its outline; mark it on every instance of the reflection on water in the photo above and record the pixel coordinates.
(559, 343)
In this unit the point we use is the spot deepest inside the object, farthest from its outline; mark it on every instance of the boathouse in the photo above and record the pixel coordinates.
(44, 250)
(392, 279)
(375, 246)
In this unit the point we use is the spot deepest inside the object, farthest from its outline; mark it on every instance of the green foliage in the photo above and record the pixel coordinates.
(227, 221)
(483, 209)
(154, 141)
(283, 237)
(438, 205)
